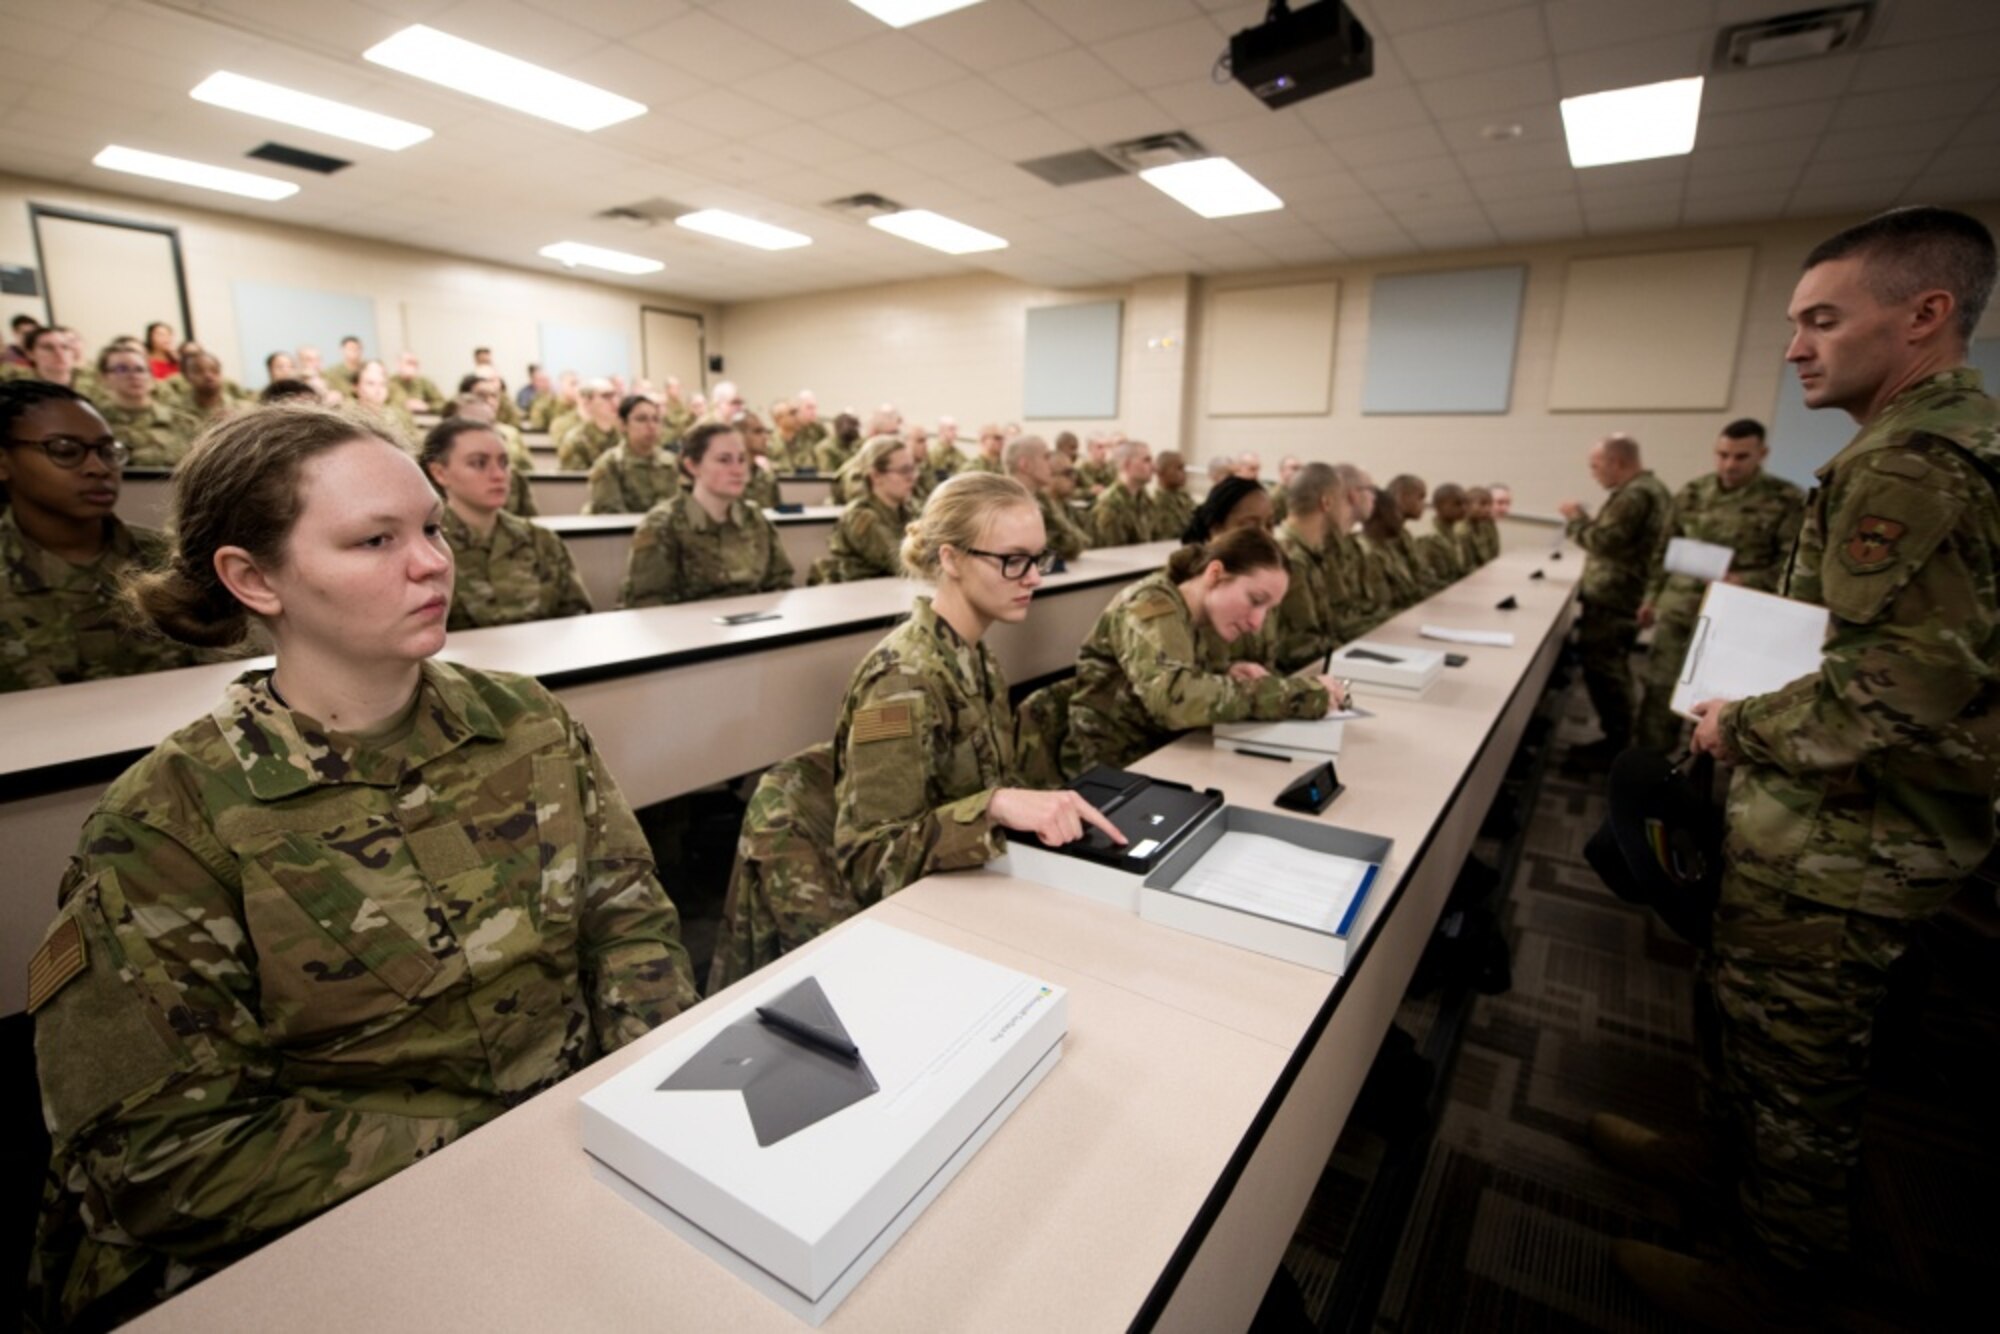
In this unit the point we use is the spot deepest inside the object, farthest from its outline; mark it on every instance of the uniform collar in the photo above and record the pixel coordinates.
(968, 660)
(284, 752)
(1926, 406)
(700, 521)
(508, 531)
(43, 569)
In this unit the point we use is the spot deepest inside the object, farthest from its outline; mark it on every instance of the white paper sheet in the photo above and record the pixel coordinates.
(1490, 638)
(1698, 560)
(1273, 878)
(1747, 643)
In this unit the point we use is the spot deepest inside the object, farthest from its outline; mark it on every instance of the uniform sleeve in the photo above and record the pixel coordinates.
(636, 971)
(874, 546)
(1674, 527)
(573, 451)
(1909, 617)
(887, 833)
(650, 565)
(162, 1097)
(1299, 633)
(606, 496)
(1108, 527)
(778, 571)
(571, 597)
(1158, 657)
(1064, 537)
(1617, 527)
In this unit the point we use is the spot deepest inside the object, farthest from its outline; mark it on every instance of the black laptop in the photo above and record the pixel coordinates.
(1153, 814)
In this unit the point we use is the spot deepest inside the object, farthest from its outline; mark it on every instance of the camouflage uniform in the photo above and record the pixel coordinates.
(980, 463)
(947, 461)
(1396, 573)
(925, 736)
(784, 888)
(1121, 517)
(543, 412)
(793, 455)
(583, 444)
(867, 542)
(521, 572)
(158, 436)
(1865, 794)
(806, 440)
(622, 482)
(1464, 546)
(1172, 512)
(1362, 596)
(680, 554)
(1146, 675)
(1096, 478)
(289, 963)
(564, 421)
(339, 379)
(62, 623)
(1485, 538)
(1301, 630)
(402, 388)
(1759, 521)
(1065, 535)
(761, 491)
(830, 456)
(1437, 552)
(1620, 542)
(677, 418)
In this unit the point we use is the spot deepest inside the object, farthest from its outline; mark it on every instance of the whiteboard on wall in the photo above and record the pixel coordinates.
(1650, 332)
(1071, 367)
(274, 318)
(443, 338)
(1803, 438)
(589, 350)
(1270, 350)
(1443, 342)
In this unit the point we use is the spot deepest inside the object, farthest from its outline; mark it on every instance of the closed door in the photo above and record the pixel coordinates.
(105, 278)
(674, 346)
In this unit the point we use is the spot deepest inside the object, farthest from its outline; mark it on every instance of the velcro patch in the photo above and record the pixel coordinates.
(60, 959)
(1873, 541)
(885, 722)
(1147, 608)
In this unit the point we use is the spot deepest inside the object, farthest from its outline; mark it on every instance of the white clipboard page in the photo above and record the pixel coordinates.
(1706, 561)
(1748, 643)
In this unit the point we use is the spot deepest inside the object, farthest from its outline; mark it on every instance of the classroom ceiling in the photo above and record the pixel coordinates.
(773, 107)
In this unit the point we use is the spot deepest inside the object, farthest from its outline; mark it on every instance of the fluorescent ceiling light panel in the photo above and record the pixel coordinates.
(183, 172)
(256, 98)
(1632, 124)
(937, 231)
(902, 13)
(744, 231)
(573, 253)
(466, 67)
(1214, 187)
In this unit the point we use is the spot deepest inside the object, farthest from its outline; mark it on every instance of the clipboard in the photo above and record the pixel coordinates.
(1747, 643)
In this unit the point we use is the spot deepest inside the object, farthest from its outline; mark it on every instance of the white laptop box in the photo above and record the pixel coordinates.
(953, 1044)
(1408, 671)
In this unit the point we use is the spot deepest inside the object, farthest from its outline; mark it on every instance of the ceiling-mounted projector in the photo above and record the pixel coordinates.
(1292, 56)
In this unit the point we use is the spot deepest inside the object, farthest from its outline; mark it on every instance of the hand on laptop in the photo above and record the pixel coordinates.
(1054, 817)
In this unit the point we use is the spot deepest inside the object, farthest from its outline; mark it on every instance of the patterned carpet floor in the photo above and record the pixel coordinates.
(1513, 1214)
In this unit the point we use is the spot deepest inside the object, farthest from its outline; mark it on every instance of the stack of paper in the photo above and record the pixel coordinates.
(1296, 738)
(1706, 561)
(1748, 643)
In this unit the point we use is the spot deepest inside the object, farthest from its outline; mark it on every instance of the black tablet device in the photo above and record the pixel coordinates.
(1152, 814)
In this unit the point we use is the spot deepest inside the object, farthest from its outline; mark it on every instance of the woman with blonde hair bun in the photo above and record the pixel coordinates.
(864, 542)
(924, 761)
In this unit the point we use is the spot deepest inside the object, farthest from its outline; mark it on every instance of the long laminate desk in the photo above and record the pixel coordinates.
(1152, 1180)
(600, 543)
(675, 701)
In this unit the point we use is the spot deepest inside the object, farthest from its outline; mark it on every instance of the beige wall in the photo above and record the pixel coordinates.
(218, 248)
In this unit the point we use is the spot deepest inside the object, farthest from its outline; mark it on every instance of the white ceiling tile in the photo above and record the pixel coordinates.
(1402, 200)
(1363, 109)
(966, 104)
(1555, 208)
(728, 113)
(521, 31)
(1923, 20)
(615, 19)
(1198, 101)
(1526, 186)
(1868, 110)
(1398, 16)
(1289, 165)
(807, 91)
(1917, 142)
(879, 125)
(1734, 208)
(1583, 25)
(1893, 169)
(1114, 119)
(1067, 78)
(1860, 198)
(802, 27)
(701, 44)
(1486, 161)
(1797, 120)
(1419, 141)
(1410, 172)
(1100, 20)
(1774, 85)
(1026, 138)
(1783, 154)
(1491, 90)
(892, 64)
(1923, 64)
(1675, 56)
(1777, 180)
(1506, 37)
(1169, 54)
(1260, 132)
(992, 34)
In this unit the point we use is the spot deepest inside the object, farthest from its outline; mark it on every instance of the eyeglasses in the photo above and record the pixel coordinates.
(68, 452)
(116, 369)
(1014, 564)
(907, 470)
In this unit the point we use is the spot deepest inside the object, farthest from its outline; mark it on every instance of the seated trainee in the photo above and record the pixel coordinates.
(867, 539)
(637, 473)
(156, 434)
(363, 907)
(63, 552)
(371, 401)
(1148, 672)
(1234, 502)
(708, 541)
(924, 749)
(1321, 598)
(509, 568)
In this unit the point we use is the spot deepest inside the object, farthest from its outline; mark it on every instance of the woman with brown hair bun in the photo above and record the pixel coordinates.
(365, 905)
(1148, 673)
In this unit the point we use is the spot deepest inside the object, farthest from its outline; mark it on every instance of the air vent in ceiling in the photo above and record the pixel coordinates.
(1085, 164)
(1788, 37)
(1156, 150)
(646, 213)
(287, 156)
(864, 206)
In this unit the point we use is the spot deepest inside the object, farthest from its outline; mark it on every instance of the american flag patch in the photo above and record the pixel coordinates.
(883, 723)
(60, 958)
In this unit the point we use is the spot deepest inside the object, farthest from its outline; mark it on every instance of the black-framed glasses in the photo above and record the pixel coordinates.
(1014, 564)
(66, 451)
